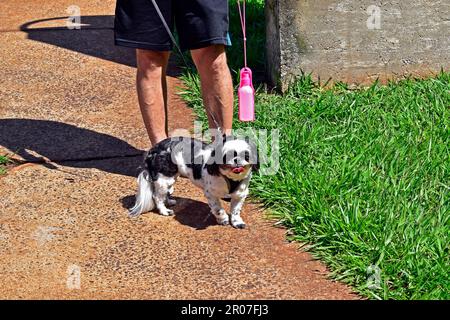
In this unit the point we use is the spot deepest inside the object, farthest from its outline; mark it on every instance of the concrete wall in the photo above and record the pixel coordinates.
(356, 41)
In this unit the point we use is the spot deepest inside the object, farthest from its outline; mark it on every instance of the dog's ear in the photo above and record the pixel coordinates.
(254, 154)
(213, 169)
(227, 137)
(211, 166)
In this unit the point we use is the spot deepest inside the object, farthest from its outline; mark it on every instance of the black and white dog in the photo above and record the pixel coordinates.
(222, 169)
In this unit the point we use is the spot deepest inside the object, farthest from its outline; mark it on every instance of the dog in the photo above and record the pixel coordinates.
(222, 170)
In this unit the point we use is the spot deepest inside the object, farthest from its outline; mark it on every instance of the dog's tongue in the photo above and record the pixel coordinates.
(238, 169)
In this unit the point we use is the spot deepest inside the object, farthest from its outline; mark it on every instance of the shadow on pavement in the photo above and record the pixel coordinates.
(194, 214)
(95, 38)
(188, 212)
(68, 145)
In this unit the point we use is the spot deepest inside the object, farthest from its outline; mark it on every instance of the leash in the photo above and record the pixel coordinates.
(246, 99)
(246, 91)
(172, 38)
(243, 26)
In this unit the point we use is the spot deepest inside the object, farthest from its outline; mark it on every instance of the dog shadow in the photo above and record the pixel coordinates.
(188, 212)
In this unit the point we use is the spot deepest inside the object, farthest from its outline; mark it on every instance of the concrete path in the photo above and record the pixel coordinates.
(69, 110)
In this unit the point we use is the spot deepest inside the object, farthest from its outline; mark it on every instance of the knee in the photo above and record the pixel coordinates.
(151, 62)
(210, 59)
(219, 63)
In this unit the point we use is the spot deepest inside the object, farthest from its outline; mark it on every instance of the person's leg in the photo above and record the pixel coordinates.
(152, 91)
(216, 85)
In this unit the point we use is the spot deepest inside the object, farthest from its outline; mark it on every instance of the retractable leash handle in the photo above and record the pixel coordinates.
(246, 92)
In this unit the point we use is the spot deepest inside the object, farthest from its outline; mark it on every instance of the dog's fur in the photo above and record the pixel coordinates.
(221, 170)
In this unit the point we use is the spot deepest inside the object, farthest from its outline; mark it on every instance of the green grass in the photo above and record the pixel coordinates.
(363, 180)
(3, 162)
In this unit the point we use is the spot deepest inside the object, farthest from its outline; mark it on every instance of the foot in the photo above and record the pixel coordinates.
(166, 212)
(222, 218)
(237, 222)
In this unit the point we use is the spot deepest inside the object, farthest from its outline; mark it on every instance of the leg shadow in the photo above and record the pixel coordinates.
(94, 38)
(68, 145)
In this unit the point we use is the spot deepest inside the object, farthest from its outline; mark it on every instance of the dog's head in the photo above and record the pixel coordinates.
(233, 158)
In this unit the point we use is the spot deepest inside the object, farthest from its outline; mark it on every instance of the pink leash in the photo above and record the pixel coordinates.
(244, 33)
(246, 92)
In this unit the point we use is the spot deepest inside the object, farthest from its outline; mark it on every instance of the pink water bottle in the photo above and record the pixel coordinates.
(246, 95)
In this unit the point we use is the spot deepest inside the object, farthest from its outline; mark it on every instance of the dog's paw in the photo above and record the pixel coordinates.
(237, 222)
(222, 218)
(223, 222)
(166, 212)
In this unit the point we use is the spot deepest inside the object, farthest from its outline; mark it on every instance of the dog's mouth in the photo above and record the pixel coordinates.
(234, 169)
(238, 170)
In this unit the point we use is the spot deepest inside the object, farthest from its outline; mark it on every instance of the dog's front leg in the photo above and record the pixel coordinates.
(237, 201)
(216, 209)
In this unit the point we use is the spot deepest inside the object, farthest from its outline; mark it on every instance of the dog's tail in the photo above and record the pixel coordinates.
(144, 196)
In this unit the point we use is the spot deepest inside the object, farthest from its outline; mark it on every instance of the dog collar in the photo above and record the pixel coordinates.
(232, 184)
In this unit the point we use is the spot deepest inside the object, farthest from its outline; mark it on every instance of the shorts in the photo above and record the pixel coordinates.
(199, 23)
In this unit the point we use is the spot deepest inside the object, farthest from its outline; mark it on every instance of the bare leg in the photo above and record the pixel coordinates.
(217, 86)
(152, 91)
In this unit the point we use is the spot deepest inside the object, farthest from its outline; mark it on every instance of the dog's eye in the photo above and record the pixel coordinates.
(229, 156)
(247, 156)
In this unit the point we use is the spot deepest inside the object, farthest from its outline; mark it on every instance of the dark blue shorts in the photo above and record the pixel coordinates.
(199, 23)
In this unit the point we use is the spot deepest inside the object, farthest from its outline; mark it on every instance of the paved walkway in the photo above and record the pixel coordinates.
(68, 108)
